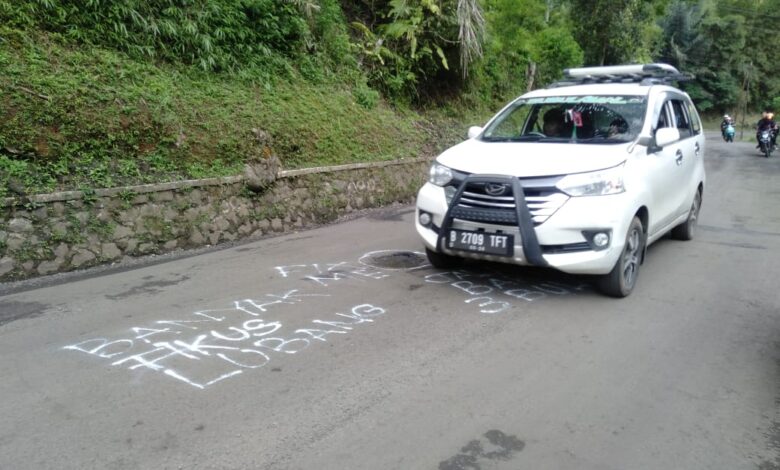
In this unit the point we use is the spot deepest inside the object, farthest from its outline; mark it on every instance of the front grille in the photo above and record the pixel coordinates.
(492, 216)
(477, 205)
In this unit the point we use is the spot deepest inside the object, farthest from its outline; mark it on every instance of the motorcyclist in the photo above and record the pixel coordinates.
(727, 121)
(766, 123)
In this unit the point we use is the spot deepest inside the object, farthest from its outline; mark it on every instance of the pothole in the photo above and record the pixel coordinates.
(394, 259)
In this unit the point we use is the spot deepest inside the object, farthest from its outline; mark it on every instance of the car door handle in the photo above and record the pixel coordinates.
(697, 149)
(679, 157)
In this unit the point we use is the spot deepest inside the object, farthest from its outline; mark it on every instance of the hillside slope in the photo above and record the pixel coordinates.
(88, 116)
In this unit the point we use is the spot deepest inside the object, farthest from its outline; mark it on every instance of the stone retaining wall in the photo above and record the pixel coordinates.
(71, 230)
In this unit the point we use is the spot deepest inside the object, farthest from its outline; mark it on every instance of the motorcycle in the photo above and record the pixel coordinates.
(728, 133)
(765, 142)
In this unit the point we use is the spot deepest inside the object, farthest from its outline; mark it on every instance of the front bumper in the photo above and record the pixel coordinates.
(560, 239)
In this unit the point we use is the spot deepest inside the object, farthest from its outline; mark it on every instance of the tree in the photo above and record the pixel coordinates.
(616, 31)
(417, 48)
(553, 50)
(680, 33)
(532, 39)
(723, 42)
(761, 18)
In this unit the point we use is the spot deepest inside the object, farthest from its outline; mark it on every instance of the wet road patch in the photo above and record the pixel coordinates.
(493, 446)
(11, 310)
(151, 286)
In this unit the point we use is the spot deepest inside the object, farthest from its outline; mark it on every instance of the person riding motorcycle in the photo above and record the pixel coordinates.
(727, 121)
(766, 123)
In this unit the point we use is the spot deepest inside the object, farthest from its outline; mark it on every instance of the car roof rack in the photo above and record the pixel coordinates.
(643, 74)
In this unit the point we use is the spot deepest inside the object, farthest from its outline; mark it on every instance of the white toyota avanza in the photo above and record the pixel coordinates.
(581, 177)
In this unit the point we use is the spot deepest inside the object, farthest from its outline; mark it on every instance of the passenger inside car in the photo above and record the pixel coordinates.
(617, 128)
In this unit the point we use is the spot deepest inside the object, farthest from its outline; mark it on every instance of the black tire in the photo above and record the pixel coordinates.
(767, 150)
(441, 260)
(621, 280)
(686, 230)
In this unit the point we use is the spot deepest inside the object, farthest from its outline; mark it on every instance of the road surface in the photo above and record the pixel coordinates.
(339, 348)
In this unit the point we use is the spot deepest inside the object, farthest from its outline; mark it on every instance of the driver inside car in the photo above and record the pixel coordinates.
(556, 124)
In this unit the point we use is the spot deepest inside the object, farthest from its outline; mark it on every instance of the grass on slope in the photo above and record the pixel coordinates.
(85, 117)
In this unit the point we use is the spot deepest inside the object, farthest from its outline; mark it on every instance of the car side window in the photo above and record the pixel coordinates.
(681, 119)
(695, 122)
(663, 118)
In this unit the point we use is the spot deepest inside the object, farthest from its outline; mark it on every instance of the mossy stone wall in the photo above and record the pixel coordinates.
(60, 232)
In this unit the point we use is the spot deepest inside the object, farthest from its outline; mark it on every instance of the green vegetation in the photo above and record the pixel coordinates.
(73, 118)
(105, 93)
(212, 35)
(725, 44)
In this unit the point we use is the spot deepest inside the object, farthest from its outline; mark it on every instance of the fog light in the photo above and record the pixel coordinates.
(601, 239)
(425, 219)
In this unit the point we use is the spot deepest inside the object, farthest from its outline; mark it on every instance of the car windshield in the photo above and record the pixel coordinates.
(598, 119)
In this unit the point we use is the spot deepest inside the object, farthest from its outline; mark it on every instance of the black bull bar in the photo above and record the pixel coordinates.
(531, 249)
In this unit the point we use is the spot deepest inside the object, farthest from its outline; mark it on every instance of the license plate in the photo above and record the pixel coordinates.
(481, 242)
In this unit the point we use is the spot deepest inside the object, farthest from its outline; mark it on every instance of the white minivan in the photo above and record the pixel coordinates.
(581, 176)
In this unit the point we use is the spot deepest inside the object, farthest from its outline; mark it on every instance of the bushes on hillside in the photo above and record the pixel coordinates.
(211, 34)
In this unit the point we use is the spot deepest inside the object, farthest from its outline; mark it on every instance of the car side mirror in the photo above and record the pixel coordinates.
(474, 131)
(666, 135)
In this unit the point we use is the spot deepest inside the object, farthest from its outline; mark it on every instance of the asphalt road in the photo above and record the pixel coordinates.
(338, 348)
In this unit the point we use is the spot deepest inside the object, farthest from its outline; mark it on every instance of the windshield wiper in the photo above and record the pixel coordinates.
(602, 140)
(522, 138)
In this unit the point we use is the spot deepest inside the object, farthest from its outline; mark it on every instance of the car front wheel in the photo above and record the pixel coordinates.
(622, 279)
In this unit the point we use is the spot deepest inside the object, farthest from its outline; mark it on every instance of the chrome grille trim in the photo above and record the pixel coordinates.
(542, 202)
(487, 196)
(475, 202)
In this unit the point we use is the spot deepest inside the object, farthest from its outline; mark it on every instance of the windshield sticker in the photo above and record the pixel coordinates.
(589, 99)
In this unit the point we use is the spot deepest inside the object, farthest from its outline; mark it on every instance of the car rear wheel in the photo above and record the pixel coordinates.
(442, 261)
(622, 279)
(686, 230)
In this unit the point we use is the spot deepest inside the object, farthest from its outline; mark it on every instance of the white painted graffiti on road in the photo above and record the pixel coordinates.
(491, 292)
(214, 345)
(325, 274)
(482, 287)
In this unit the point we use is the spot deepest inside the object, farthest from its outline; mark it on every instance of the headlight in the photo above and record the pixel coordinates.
(440, 175)
(596, 183)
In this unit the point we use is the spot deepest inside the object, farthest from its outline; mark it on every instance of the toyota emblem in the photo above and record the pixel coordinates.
(495, 189)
